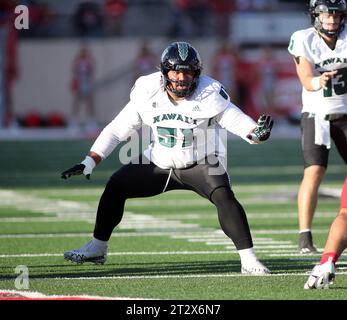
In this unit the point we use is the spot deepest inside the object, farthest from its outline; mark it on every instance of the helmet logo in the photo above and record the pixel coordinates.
(182, 50)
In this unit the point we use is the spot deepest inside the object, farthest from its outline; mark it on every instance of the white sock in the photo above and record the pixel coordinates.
(305, 230)
(247, 255)
(99, 243)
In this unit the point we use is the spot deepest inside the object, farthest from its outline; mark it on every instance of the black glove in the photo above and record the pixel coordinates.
(263, 129)
(85, 167)
(74, 171)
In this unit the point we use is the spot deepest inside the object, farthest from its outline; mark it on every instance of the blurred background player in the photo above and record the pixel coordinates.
(83, 69)
(114, 11)
(267, 74)
(8, 62)
(323, 274)
(181, 106)
(319, 54)
(145, 61)
(225, 69)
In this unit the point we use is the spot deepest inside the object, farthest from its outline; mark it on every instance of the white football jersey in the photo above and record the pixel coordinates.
(309, 44)
(182, 132)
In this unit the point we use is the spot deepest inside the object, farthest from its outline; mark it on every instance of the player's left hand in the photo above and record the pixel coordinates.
(263, 129)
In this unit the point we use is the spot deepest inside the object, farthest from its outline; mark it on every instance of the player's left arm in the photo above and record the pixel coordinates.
(237, 122)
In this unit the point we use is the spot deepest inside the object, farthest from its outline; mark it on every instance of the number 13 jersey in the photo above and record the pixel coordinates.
(309, 44)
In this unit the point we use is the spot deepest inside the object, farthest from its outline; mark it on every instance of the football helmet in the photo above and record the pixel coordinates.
(327, 6)
(181, 56)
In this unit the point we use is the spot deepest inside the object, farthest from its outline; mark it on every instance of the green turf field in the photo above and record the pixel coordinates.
(169, 246)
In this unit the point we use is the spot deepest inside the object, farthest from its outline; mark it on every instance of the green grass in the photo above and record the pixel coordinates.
(162, 248)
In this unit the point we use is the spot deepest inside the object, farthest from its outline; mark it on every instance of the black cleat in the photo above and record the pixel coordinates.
(306, 244)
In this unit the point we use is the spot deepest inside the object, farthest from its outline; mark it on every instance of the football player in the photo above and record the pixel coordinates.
(323, 274)
(321, 63)
(182, 107)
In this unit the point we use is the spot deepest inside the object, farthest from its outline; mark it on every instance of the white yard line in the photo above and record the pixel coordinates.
(74, 210)
(60, 208)
(144, 224)
(137, 253)
(184, 276)
(272, 252)
(319, 254)
(74, 217)
(115, 234)
(82, 211)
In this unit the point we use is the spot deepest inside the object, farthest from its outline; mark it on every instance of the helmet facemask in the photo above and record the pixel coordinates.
(189, 84)
(327, 6)
(181, 56)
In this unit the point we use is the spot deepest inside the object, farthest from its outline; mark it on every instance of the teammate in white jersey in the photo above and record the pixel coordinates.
(320, 55)
(182, 108)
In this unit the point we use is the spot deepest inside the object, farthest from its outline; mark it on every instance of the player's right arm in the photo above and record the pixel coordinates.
(299, 48)
(306, 75)
(118, 130)
(121, 127)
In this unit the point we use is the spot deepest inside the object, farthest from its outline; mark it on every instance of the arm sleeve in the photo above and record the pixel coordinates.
(119, 129)
(236, 122)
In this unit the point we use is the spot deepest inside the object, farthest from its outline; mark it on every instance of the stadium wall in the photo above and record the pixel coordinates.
(45, 73)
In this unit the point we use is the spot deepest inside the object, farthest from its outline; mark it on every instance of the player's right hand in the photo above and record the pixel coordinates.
(74, 171)
(325, 78)
(85, 167)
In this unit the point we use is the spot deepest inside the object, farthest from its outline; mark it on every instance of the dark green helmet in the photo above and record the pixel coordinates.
(181, 56)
